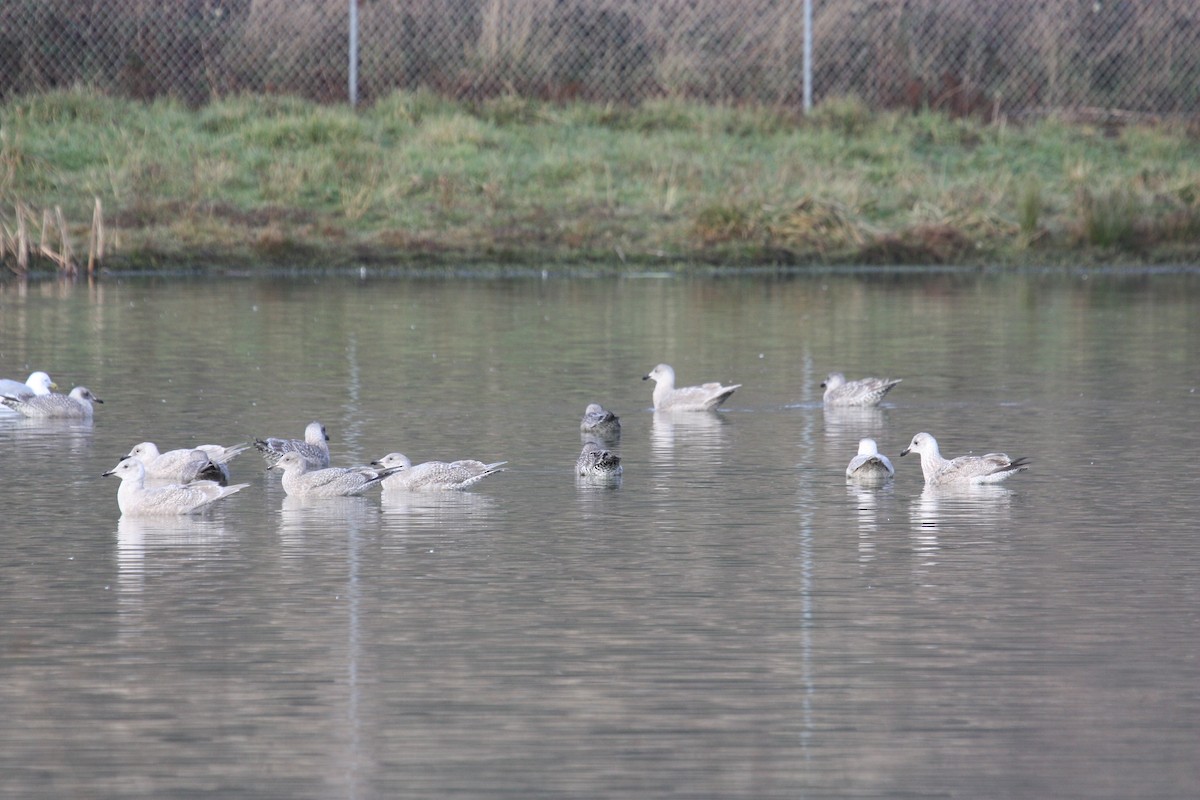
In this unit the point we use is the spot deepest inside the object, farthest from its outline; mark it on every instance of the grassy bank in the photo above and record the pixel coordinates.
(417, 179)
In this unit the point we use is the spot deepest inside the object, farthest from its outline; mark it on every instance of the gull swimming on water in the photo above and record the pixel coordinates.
(596, 462)
(599, 422)
(869, 464)
(205, 462)
(433, 475)
(300, 481)
(38, 383)
(865, 392)
(76, 405)
(136, 499)
(705, 397)
(990, 468)
(314, 447)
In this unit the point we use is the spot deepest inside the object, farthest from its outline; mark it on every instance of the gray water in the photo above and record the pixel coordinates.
(732, 621)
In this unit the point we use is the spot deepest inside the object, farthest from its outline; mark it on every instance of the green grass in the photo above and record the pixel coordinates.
(416, 178)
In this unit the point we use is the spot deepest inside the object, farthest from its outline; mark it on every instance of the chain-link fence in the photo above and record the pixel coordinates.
(966, 56)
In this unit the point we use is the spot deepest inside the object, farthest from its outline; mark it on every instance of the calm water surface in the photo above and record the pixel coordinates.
(732, 620)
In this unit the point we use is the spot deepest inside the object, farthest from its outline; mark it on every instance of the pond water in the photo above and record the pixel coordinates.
(731, 621)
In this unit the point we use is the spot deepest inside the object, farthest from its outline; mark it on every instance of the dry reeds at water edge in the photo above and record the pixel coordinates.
(17, 248)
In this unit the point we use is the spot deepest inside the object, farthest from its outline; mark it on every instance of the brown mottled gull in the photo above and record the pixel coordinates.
(596, 462)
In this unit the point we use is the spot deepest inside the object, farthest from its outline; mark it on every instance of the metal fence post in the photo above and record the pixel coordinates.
(353, 53)
(808, 43)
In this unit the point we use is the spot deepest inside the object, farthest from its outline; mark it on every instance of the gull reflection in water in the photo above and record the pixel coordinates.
(184, 535)
(404, 510)
(849, 424)
(970, 504)
(872, 500)
(299, 516)
(591, 485)
(145, 541)
(70, 435)
(704, 430)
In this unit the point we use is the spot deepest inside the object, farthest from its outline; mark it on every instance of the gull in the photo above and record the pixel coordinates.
(434, 475)
(596, 462)
(865, 392)
(76, 405)
(300, 481)
(314, 447)
(964, 470)
(38, 383)
(705, 397)
(869, 464)
(599, 422)
(134, 498)
(204, 462)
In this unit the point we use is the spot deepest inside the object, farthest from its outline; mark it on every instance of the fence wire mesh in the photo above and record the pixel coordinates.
(965, 56)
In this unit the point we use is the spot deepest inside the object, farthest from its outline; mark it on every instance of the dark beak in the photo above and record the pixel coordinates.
(904, 452)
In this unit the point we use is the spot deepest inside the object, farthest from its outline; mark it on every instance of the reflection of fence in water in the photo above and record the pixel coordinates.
(966, 56)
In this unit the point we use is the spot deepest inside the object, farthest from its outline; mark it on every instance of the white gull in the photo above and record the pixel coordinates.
(136, 499)
(204, 462)
(38, 383)
(869, 464)
(705, 397)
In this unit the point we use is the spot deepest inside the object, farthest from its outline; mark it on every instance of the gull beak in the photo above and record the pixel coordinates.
(645, 377)
(905, 451)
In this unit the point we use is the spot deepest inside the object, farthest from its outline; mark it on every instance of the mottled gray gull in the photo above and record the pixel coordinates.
(864, 392)
(990, 468)
(599, 422)
(314, 447)
(76, 405)
(301, 481)
(434, 475)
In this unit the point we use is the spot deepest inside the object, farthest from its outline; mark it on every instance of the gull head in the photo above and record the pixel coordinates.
(922, 443)
(127, 468)
(396, 461)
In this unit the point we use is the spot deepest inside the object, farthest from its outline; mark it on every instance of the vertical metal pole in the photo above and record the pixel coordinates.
(808, 46)
(353, 53)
